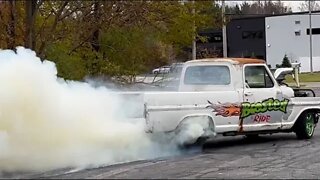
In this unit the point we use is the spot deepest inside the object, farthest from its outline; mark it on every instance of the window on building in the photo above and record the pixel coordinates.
(297, 33)
(297, 22)
(215, 38)
(252, 35)
(314, 31)
(211, 38)
(258, 77)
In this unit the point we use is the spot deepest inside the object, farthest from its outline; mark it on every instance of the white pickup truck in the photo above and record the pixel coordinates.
(228, 96)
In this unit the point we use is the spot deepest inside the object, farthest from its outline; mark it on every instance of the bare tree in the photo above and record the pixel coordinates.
(314, 6)
(259, 7)
(11, 28)
(96, 32)
(31, 7)
(57, 17)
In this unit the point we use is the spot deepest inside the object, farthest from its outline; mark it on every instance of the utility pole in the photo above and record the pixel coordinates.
(224, 31)
(194, 45)
(310, 35)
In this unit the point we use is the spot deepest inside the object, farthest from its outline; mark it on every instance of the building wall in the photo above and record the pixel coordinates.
(282, 37)
(246, 37)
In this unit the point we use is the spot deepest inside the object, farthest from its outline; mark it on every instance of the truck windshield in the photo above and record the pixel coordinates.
(207, 75)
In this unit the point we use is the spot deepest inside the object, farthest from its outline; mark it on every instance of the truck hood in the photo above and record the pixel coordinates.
(280, 73)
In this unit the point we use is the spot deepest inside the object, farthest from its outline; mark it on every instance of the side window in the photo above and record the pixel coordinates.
(257, 77)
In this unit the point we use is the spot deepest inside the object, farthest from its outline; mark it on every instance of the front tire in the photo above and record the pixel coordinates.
(305, 125)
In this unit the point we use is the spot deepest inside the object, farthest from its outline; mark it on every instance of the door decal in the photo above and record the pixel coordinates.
(261, 118)
(271, 104)
(225, 109)
(247, 109)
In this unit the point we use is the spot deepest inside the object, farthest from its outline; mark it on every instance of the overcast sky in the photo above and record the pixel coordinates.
(293, 4)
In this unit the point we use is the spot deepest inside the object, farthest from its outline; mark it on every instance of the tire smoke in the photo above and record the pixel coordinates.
(48, 123)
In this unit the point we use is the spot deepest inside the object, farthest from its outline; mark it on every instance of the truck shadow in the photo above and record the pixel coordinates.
(240, 141)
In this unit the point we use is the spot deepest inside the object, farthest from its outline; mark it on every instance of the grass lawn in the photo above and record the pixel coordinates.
(305, 77)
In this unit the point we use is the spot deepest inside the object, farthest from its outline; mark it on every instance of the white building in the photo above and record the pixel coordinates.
(289, 34)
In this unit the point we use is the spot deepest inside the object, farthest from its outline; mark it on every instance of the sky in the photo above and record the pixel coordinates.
(293, 4)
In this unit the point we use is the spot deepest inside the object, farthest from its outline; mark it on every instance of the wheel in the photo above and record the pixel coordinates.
(305, 125)
(199, 143)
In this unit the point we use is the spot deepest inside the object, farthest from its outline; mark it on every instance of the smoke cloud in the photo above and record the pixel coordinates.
(48, 123)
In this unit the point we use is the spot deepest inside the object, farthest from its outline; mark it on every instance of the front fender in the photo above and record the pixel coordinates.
(290, 122)
(314, 109)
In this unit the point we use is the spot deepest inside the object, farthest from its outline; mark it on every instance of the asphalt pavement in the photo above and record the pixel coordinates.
(277, 156)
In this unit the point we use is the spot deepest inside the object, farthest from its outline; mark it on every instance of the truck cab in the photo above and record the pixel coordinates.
(231, 73)
(250, 79)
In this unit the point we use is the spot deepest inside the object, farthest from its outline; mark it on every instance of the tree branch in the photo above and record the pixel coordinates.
(79, 45)
(53, 27)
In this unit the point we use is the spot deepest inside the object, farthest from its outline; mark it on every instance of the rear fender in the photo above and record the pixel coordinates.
(205, 120)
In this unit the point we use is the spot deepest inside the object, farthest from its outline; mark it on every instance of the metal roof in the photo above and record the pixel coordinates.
(252, 16)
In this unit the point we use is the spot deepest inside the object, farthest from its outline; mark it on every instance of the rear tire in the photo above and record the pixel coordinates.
(252, 136)
(304, 127)
(199, 143)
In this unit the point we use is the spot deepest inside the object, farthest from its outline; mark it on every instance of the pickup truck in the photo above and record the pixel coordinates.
(226, 96)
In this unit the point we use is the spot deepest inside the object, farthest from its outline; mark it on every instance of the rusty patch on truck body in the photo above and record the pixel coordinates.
(248, 61)
(232, 60)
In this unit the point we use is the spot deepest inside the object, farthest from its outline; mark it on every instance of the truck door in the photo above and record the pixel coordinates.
(263, 105)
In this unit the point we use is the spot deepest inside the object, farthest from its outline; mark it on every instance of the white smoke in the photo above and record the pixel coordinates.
(190, 134)
(48, 123)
